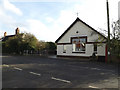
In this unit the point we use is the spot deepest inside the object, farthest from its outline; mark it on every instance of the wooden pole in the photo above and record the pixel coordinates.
(108, 25)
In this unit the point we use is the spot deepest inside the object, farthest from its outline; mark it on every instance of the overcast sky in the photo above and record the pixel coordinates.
(48, 19)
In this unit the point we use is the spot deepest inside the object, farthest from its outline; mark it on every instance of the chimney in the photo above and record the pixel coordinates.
(17, 31)
(5, 34)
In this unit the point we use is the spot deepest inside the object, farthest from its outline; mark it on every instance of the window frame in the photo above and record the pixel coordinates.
(83, 37)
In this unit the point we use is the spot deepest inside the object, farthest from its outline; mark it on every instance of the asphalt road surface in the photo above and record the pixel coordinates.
(40, 72)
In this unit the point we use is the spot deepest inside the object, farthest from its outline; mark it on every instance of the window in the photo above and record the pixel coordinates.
(78, 44)
(95, 48)
(64, 48)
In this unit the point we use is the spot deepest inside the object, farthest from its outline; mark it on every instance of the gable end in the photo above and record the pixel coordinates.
(72, 26)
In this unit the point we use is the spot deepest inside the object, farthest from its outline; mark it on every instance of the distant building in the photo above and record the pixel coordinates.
(6, 37)
(81, 40)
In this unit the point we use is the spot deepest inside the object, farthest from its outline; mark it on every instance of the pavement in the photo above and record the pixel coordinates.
(42, 72)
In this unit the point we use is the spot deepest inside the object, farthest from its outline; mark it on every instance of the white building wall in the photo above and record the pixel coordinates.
(59, 49)
(101, 50)
(83, 31)
(89, 49)
(69, 49)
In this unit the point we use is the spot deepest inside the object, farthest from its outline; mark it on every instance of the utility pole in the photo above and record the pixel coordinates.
(108, 25)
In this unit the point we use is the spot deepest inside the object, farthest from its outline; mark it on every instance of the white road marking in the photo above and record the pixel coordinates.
(60, 80)
(35, 73)
(102, 69)
(102, 73)
(95, 69)
(5, 65)
(18, 68)
(106, 80)
(93, 87)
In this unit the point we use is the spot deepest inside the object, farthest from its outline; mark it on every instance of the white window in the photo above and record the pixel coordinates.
(78, 44)
(64, 48)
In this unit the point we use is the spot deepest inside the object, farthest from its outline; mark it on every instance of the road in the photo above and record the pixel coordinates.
(41, 72)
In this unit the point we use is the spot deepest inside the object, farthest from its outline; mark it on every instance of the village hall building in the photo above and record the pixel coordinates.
(81, 40)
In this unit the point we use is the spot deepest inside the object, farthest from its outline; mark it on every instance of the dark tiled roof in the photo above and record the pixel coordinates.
(72, 26)
(7, 37)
